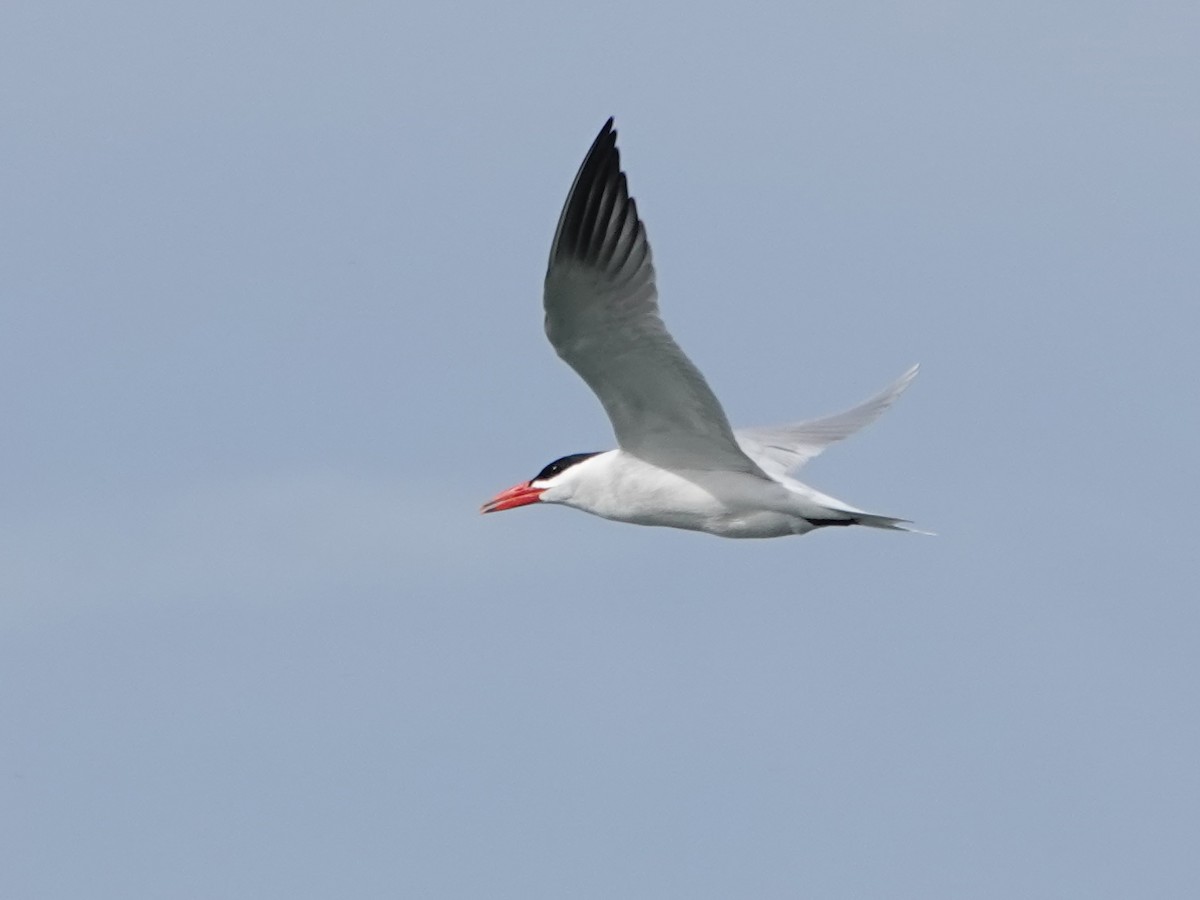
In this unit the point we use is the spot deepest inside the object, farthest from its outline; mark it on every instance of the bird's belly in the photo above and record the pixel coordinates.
(725, 507)
(724, 524)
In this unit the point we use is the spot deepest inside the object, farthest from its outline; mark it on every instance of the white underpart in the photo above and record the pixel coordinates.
(624, 488)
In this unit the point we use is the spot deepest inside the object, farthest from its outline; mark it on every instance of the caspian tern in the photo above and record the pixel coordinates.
(678, 462)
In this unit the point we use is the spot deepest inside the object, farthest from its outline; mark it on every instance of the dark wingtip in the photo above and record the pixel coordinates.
(599, 224)
(609, 131)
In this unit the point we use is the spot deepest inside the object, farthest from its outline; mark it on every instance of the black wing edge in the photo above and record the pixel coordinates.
(599, 225)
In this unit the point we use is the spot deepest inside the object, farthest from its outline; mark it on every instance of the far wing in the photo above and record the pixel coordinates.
(602, 318)
(785, 448)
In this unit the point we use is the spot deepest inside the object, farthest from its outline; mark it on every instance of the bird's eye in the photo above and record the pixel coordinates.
(561, 465)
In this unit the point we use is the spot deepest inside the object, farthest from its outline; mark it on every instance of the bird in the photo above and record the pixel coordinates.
(678, 462)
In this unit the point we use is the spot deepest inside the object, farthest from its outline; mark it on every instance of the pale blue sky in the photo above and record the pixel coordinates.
(271, 331)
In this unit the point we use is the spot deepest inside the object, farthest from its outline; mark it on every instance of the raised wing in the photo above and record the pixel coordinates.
(602, 318)
(784, 448)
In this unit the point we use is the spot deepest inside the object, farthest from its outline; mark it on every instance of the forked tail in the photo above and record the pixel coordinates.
(873, 521)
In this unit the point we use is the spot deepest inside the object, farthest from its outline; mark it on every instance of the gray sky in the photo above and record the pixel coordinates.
(271, 332)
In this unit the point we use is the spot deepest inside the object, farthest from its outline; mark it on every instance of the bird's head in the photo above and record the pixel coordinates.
(556, 483)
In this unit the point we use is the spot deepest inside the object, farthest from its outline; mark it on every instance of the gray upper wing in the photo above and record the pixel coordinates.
(602, 319)
(785, 448)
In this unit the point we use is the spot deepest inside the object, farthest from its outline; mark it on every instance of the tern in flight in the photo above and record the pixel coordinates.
(678, 463)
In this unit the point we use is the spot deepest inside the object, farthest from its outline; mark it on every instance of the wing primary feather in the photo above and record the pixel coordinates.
(573, 219)
(604, 219)
(584, 212)
(594, 225)
(613, 239)
(631, 231)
